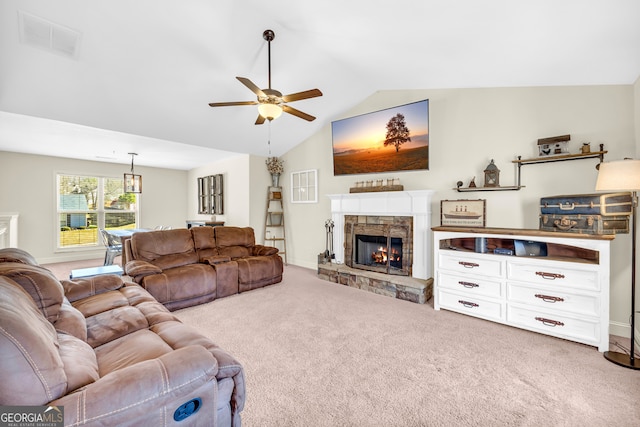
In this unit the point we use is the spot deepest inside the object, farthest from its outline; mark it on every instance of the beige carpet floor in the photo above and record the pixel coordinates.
(320, 354)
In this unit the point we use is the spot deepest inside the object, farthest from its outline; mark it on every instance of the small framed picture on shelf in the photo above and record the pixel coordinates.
(463, 213)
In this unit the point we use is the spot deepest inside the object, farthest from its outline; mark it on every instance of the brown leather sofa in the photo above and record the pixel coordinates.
(184, 267)
(108, 353)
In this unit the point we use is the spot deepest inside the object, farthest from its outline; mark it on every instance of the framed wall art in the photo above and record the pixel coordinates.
(389, 140)
(210, 195)
(304, 186)
(463, 213)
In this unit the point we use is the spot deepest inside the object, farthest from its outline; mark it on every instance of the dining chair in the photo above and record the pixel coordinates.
(113, 245)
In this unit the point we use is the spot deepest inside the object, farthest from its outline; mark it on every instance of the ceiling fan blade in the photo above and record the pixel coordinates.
(248, 83)
(302, 95)
(260, 120)
(229, 104)
(298, 113)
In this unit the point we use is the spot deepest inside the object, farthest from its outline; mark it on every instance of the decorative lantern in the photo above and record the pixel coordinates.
(492, 175)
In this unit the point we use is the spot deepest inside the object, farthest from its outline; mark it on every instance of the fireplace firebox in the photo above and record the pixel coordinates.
(378, 252)
(381, 244)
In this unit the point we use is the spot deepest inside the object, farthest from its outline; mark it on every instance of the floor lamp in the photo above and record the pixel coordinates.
(624, 175)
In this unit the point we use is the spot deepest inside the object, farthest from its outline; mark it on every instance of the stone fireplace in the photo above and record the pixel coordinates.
(415, 204)
(382, 243)
(379, 243)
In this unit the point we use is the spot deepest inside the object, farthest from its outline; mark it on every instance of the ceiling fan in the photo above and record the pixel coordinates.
(271, 103)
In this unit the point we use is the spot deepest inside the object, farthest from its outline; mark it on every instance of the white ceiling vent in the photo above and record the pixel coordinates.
(44, 34)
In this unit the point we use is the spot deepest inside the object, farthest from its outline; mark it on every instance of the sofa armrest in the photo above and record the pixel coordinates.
(261, 250)
(139, 269)
(146, 391)
(215, 259)
(83, 288)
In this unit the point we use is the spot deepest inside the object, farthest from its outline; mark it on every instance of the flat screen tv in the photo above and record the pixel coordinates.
(389, 140)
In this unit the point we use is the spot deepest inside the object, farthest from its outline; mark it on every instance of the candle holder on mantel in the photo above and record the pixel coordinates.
(371, 186)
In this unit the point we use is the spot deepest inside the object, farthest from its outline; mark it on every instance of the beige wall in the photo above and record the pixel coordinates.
(28, 187)
(468, 128)
(245, 190)
(236, 172)
(636, 113)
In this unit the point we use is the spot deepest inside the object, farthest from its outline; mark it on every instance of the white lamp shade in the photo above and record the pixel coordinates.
(270, 111)
(620, 175)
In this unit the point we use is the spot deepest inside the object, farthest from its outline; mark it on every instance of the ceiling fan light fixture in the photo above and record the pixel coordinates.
(271, 103)
(269, 111)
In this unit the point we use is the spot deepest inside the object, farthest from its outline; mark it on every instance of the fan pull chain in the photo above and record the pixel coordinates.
(269, 139)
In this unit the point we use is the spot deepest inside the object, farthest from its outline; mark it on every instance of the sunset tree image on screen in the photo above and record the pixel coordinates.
(397, 132)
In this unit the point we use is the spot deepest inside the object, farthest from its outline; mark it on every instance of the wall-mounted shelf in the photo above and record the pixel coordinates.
(564, 157)
(546, 159)
(501, 188)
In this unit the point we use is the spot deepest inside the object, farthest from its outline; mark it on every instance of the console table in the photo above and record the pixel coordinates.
(95, 271)
(203, 223)
(547, 282)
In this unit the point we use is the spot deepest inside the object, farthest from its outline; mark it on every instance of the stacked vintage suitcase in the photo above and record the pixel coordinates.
(586, 213)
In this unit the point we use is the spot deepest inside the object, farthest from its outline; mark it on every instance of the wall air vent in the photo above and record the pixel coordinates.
(44, 34)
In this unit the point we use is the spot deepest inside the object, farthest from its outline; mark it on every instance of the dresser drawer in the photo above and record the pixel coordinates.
(471, 305)
(553, 299)
(471, 285)
(485, 265)
(573, 276)
(560, 325)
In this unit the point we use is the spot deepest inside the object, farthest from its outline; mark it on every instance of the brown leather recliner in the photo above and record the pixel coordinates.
(258, 265)
(184, 267)
(165, 263)
(107, 352)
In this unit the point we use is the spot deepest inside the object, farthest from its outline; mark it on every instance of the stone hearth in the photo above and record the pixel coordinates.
(400, 287)
(416, 288)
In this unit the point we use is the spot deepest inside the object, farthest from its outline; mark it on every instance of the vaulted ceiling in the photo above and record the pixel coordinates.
(137, 75)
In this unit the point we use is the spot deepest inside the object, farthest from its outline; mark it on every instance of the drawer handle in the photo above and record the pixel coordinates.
(468, 304)
(549, 322)
(549, 276)
(466, 264)
(468, 284)
(549, 298)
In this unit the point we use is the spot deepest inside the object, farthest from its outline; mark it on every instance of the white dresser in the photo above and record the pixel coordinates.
(553, 283)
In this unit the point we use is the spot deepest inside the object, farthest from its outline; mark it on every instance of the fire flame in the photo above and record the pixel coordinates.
(381, 256)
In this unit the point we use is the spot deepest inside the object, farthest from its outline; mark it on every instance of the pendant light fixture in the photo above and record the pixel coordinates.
(132, 182)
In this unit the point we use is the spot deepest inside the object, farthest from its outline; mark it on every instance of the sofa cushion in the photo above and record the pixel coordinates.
(71, 321)
(164, 248)
(203, 238)
(234, 236)
(137, 268)
(130, 349)
(17, 255)
(89, 286)
(96, 304)
(260, 250)
(255, 272)
(234, 252)
(79, 359)
(43, 287)
(204, 242)
(175, 287)
(113, 324)
(32, 370)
